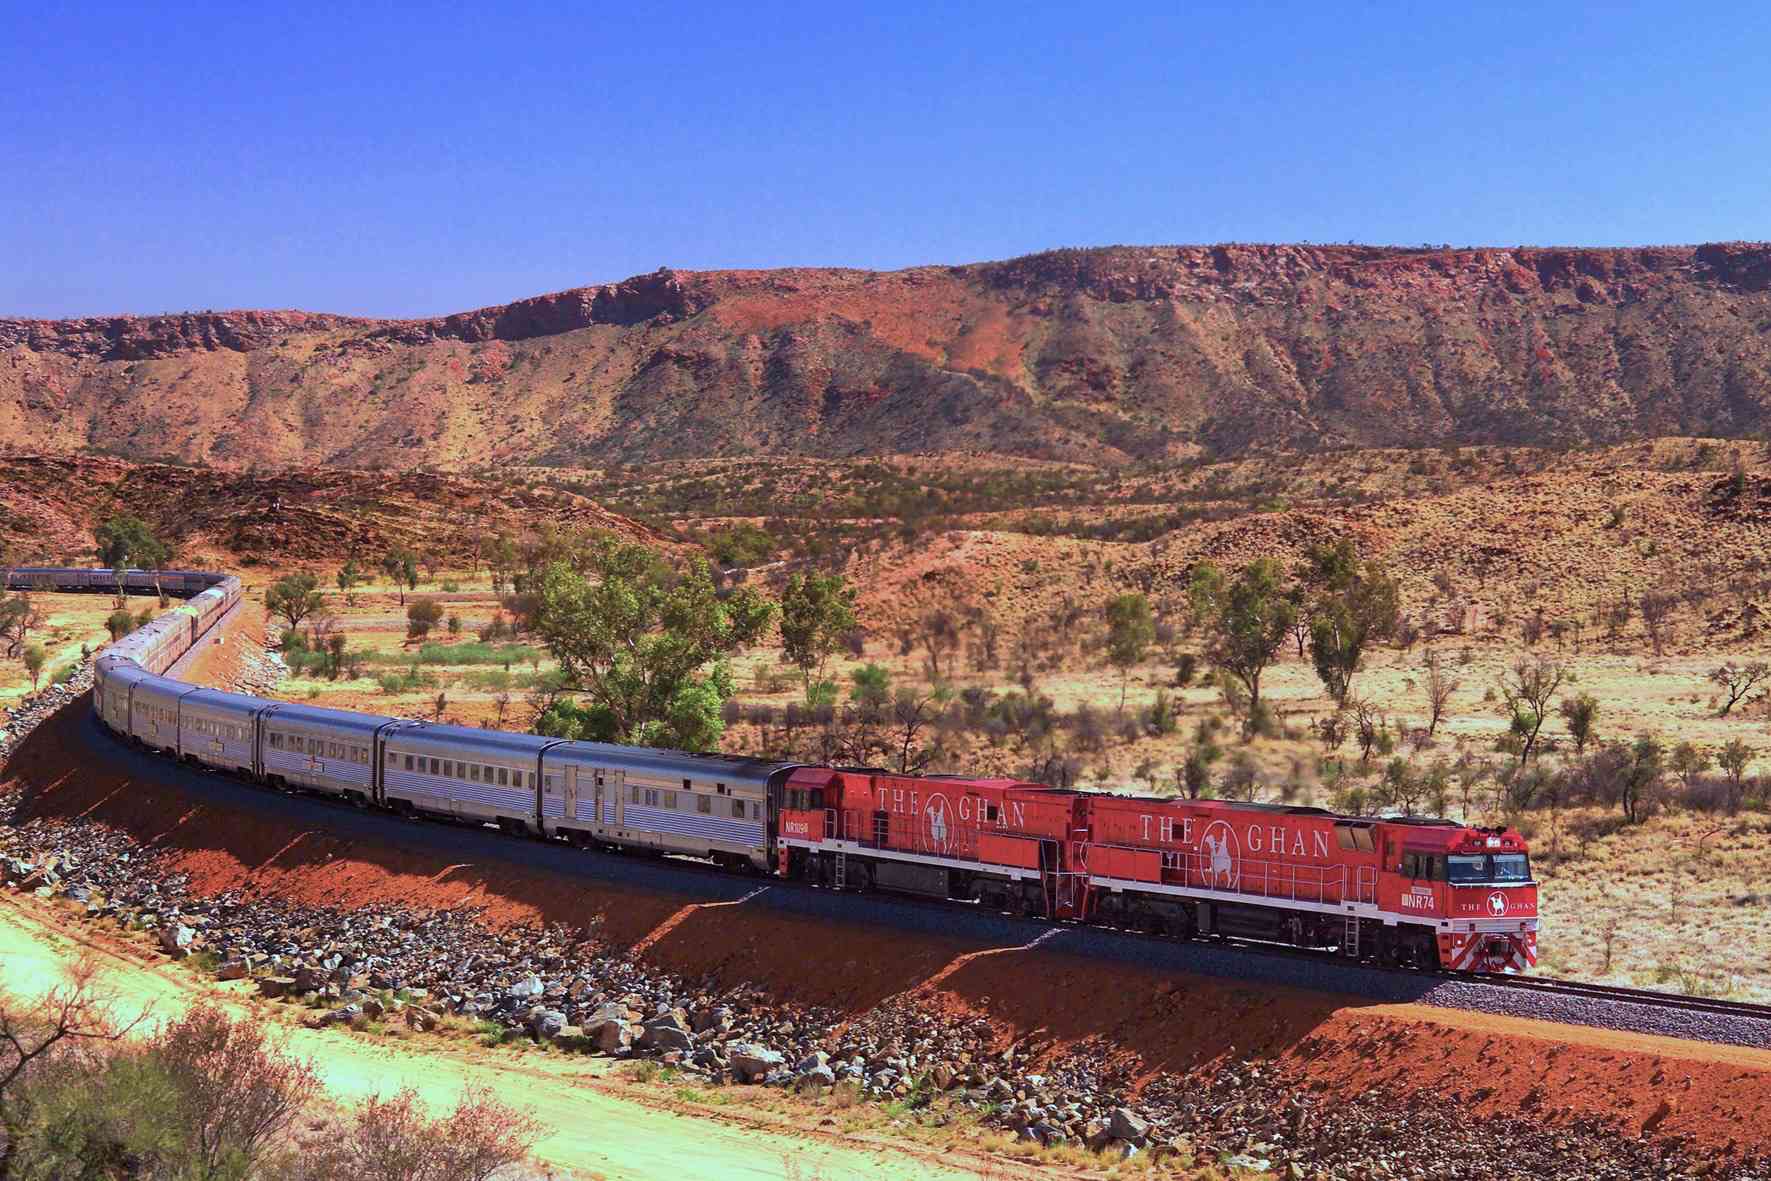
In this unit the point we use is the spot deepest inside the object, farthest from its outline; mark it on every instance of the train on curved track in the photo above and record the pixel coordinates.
(1406, 891)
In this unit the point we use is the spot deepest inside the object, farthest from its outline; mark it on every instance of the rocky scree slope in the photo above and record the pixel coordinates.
(295, 515)
(1118, 353)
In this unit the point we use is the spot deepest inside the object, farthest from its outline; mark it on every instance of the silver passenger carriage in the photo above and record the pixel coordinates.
(488, 776)
(714, 806)
(219, 729)
(324, 750)
(114, 679)
(153, 712)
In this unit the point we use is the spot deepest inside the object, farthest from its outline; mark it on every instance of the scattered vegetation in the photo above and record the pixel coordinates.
(208, 1096)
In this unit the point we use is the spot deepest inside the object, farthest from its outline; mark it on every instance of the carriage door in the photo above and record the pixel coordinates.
(571, 812)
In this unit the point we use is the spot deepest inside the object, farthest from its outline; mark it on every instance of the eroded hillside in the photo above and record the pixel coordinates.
(1099, 355)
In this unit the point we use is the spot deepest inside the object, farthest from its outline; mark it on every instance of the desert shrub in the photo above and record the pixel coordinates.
(741, 545)
(1160, 717)
(395, 1140)
(1261, 722)
(768, 679)
(1704, 793)
(1596, 826)
(207, 1097)
(1088, 727)
(421, 616)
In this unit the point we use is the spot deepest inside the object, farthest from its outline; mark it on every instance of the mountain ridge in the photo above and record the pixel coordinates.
(1108, 354)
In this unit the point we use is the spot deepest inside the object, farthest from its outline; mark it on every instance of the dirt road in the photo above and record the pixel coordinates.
(600, 1127)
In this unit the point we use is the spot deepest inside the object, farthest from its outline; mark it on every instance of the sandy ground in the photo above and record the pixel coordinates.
(600, 1127)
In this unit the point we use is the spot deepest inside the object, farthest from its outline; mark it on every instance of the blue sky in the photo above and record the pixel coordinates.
(413, 161)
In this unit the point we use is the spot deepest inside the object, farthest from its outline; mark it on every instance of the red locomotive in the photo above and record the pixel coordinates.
(1406, 891)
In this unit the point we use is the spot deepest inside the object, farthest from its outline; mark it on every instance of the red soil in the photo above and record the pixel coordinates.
(1712, 1095)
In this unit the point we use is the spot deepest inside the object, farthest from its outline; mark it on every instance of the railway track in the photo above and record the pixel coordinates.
(1580, 989)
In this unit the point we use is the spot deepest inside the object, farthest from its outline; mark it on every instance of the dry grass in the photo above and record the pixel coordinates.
(68, 622)
(1683, 902)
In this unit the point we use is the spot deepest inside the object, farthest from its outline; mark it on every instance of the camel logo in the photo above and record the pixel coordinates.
(1497, 904)
(936, 828)
(1220, 851)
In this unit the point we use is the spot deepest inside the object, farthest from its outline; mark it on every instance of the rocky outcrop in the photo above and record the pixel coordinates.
(137, 338)
(1117, 354)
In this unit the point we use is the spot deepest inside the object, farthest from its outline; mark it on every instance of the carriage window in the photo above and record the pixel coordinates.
(704, 804)
(408, 762)
(670, 799)
(738, 809)
(687, 786)
(636, 795)
(503, 777)
(651, 797)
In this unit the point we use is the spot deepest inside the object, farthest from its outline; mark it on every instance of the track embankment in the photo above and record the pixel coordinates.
(1121, 1003)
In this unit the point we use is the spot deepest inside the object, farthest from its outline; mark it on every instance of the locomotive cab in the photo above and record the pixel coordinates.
(1493, 904)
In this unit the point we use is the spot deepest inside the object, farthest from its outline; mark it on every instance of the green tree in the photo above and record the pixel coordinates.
(294, 598)
(348, 578)
(816, 613)
(872, 686)
(1528, 691)
(1355, 604)
(401, 567)
(124, 541)
(1639, 778)
(34, 658)
(1245, 620)
(645, 644)
(18, 616)
(1195, 773)
(501, 556)
(118, 624)
(1581, 714)
(1733, 759)
(1689, 761)
(1131, 629)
